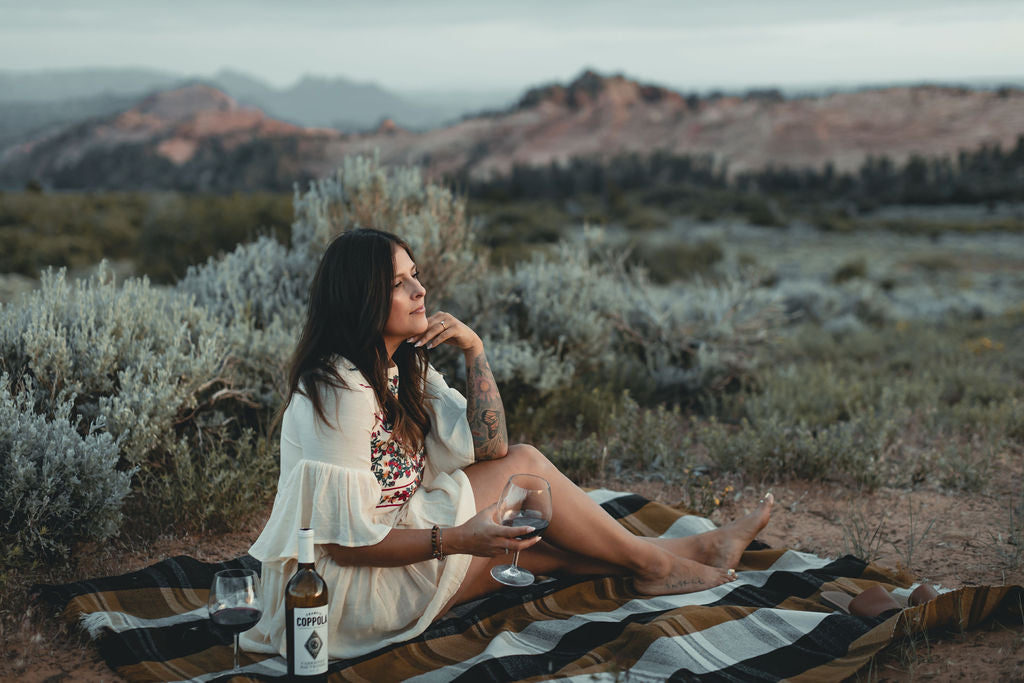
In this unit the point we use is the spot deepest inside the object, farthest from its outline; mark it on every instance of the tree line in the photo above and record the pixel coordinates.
(987, 174)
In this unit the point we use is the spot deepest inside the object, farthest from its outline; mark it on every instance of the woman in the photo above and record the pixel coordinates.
(376, 450)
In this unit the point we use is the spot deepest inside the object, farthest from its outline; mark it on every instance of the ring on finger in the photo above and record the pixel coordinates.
(443, 325)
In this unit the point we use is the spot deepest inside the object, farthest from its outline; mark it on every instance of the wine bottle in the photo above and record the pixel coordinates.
(305, 605)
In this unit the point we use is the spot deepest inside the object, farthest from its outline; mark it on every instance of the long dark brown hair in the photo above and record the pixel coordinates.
(349, 304)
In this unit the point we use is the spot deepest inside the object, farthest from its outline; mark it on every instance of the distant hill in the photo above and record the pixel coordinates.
(198, 137)
(339, 103)
(597, 116)
(23, 119)
(332, 102)
(194, 138)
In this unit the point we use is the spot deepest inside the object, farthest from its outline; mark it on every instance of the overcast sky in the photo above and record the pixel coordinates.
(475, 44)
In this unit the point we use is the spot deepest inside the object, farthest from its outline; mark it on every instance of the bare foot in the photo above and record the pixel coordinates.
(724, 546)
(731, 540)
(684, 576)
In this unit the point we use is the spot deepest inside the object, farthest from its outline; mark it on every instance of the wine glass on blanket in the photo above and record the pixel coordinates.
(525, 501)
(234, 602)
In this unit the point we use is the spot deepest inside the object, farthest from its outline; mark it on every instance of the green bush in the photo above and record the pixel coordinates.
(134, 356)
(160, 233)
(760, 210)
(677, 261)
(629, 439)
(897, 405)
(363, 193)
(643, 218)
(857, 268)
(773, 449)
(633, 442)
(180, 230)
(212, 486)
(60, 487)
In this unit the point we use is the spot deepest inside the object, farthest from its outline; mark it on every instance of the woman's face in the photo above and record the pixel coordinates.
(408, 315)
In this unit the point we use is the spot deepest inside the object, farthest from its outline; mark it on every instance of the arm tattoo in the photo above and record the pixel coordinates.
(484, 410)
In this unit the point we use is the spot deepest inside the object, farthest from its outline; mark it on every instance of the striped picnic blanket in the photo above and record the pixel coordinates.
(768, 625)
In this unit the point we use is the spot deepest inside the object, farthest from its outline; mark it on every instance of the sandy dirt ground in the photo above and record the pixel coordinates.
(961, 547)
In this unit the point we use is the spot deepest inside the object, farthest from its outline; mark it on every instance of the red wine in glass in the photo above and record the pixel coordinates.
(525, 501)
(234, 603)
(528, 518)
(236, 619)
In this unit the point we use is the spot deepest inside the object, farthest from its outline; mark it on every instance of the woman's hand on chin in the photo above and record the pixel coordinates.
(483, 537)
(445, 328)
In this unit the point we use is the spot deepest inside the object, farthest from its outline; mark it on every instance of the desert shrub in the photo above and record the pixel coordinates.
(60, 487)
(774, 449)
(642, 218)
(133, 355)
(148, 364)
(856, 268)
(160, 233)
(699, 338)
(514, 232)
(665, 263)
(901, 404)
(934, 263)
(362, 193)
(633, 442)
(583, 313)
(647, 439)
(177, 230)
(631, 439)
(530, 222)
(583, 457)
(760, 210)
(570, 410)
(256, 285)
(966, 466)
(833, 220)
(209, 486)
(73, 230)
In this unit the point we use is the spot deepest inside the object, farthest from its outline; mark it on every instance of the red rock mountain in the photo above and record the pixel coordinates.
(191, 138)
(600, 117)
(199, 138)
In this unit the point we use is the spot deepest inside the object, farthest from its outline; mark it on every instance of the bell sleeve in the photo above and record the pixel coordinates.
(326, 482)
(449, 444)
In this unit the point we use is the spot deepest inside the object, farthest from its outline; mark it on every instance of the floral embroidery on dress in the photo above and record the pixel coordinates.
(399, 473)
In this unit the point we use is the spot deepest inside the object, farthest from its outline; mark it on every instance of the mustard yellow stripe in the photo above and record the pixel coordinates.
(146, 603)
(217, 658)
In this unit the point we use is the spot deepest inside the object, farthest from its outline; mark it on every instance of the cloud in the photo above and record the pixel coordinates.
(412, 44)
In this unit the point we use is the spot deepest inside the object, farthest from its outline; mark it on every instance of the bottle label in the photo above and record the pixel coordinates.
(310, 640)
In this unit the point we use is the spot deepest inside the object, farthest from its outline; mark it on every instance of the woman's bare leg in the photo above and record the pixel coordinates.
(592, 541)
(542, 559)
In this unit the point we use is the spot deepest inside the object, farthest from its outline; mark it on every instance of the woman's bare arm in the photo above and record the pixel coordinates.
(480, 536)
(484, 409)
(399, 548)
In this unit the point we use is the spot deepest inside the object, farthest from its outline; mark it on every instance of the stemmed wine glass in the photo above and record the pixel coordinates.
(234, 602)
(525, 501)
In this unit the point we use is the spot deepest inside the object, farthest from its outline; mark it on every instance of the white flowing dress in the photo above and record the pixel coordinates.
(330, 481)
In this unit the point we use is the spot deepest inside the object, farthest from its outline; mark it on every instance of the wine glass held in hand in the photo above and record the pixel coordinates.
(525, 501)
(234, 602)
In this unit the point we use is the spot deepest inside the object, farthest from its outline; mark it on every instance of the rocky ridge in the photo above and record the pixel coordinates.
(198, 138)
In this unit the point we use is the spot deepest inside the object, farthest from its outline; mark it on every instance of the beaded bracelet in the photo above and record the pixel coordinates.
(436, 543)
